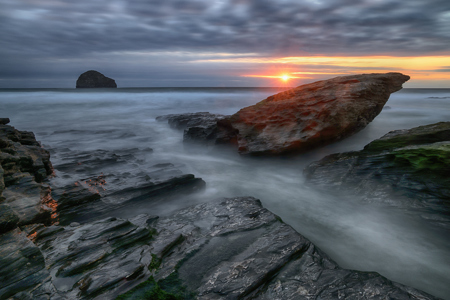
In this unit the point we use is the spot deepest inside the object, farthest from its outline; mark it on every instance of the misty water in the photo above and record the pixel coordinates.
(368, 237)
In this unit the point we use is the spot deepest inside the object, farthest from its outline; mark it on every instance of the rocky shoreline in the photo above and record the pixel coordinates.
(224, 249)
(61, 236)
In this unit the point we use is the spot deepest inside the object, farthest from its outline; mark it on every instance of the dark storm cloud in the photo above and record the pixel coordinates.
(37, 33)
(263, 26)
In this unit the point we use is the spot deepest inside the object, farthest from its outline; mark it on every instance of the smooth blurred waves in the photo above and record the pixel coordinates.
(365, 237)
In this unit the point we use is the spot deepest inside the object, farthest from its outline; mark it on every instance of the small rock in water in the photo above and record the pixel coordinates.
(94, 79)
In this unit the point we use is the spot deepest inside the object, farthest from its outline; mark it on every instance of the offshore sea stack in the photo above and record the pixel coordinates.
(94, 79)
(303, 118)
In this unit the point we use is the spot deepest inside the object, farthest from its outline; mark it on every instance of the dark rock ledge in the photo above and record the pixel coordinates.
(23, 167)
(224, 249)
(408, 169)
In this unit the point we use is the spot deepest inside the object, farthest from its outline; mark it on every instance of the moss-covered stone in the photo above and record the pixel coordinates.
(415, 136)
(166, 289)
(155, 263)
(434, 157)
(405, 168)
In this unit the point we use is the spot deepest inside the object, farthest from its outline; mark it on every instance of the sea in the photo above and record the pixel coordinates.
(366, 237)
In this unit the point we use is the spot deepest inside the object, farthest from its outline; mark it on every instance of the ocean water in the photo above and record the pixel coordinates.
(359, 236)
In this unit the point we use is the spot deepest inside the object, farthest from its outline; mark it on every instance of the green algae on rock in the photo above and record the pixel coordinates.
(405, 168)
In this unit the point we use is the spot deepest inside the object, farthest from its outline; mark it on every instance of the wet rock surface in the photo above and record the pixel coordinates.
(405, 168)
(22, 266)
(106, 181)
(24, 164)
(184, 121)
(32, 212)
(8, 218)
(94, 79)
(223, 249)
(300, 119)
(202, 128)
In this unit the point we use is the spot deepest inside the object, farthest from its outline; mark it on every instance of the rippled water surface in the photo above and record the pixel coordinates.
(359, 236)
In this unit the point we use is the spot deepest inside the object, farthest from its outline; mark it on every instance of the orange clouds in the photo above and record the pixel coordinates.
(423, 69)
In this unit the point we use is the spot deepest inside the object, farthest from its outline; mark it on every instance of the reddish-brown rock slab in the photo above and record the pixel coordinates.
(314, 114)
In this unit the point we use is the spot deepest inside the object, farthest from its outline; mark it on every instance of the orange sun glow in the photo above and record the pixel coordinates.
(285, 77)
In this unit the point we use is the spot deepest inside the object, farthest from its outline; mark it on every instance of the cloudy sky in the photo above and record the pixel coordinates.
(49, 43)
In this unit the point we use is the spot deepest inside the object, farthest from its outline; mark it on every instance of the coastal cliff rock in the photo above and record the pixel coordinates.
(31, 211)
(24, 164)
(303, 118)
(94, 79)
(408, 169)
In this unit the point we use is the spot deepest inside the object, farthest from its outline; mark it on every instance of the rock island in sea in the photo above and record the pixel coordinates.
(95, 79)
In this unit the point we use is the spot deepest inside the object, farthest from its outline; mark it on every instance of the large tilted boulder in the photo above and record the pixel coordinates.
(314, 114)
(408, 169)
(94, 79)
(302, 118)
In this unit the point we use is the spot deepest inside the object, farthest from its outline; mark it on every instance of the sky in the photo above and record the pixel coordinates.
(222, 43)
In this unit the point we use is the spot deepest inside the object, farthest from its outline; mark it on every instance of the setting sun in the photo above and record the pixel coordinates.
(285, 77)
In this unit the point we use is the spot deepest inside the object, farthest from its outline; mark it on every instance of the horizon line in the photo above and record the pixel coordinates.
(184, 87)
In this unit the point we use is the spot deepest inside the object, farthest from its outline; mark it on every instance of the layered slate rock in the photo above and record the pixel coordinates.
(303, 118)
(105, 181)
(225, 249)
(202, 128)
(31, 211)
(188, 120)
(236, 249)
(405, 168)
(94, 258)
(24, 164)
(22, 266)
(94, 79)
